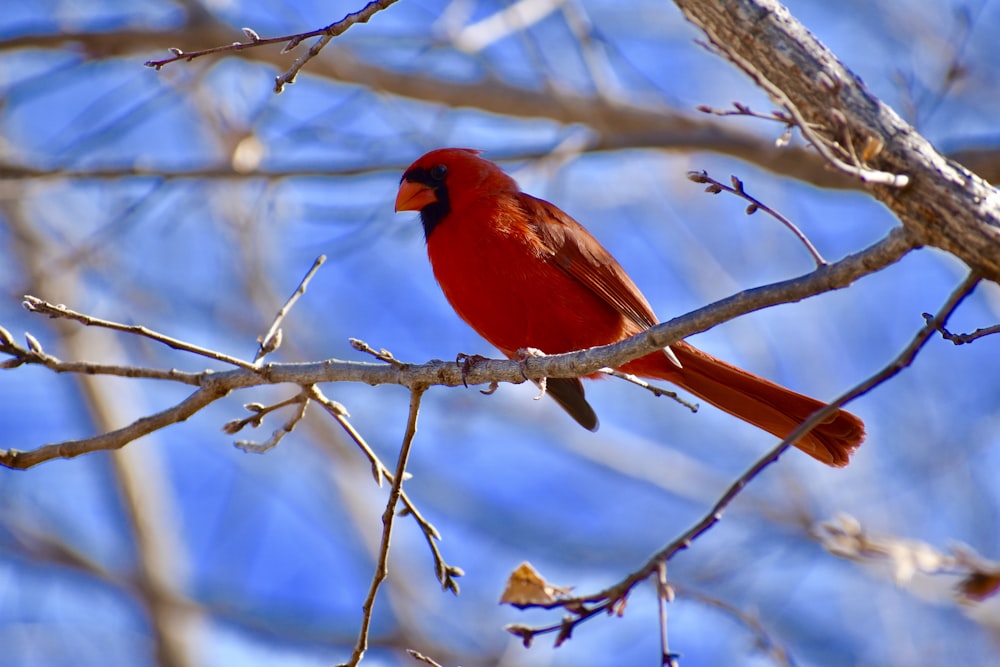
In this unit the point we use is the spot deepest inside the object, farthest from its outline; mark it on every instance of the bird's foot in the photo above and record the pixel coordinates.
(521, 357)
(466, 362)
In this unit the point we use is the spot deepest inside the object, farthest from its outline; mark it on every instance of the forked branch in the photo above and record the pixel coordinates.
(216, 384)
(253, 40)
(612, 600)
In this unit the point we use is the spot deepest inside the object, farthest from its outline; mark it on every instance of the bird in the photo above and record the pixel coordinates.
(527, 276)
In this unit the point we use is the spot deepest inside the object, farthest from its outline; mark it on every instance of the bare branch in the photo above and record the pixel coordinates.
(258, 412)
(737, 189)
(329, 33)
(36, 305)
(826, 147)
(381, 354)
(13, 458)
(417, 655)
(251, 447)
(290, 41)
(614, 124)
(664, 596)
(945, 205)
(445, 573)
(895, 366)
(271, 340)
(612, 599)
(340, 414)
(575, 364)
(963, 338)
(652, 388)
(740, 109)
(395, 491)
(20, 356)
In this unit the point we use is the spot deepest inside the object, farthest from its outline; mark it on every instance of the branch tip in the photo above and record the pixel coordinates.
(6, 339)
(33, 344)
(739, 189)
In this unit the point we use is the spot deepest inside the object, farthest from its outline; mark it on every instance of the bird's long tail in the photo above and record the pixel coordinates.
(753, 399)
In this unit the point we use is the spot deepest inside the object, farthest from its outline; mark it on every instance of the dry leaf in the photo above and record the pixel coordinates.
(526, 587)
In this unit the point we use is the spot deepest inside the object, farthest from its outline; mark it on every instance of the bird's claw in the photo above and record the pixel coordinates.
(541, 388)
(521, 356)
(465, 363)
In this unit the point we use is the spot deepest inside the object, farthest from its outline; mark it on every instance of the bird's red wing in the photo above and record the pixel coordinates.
(579, 254)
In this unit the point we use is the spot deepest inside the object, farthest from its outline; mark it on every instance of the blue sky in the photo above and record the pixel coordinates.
(275, 550)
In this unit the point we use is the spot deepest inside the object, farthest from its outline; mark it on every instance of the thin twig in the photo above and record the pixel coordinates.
(380, 354)
(21, 355)
(271, 340)
(865, 174)
(715, 187)
(650, 387)
(445, 573)
(612, 598)
(964, 338)
(821, 144)
(15, 458)
(251, 447)
(740, 109)
(417, 655)
(381, 565)
(259, 411)
(340, 414)
(36, 305)
(291, 41)
(253, 41)
(664, 595)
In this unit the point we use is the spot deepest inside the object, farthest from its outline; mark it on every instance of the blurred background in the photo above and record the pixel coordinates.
(191, 200)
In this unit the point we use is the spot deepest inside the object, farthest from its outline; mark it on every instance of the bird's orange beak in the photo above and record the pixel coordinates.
(414, 196)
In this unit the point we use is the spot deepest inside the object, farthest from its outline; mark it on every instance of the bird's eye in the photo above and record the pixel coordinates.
(438, 172)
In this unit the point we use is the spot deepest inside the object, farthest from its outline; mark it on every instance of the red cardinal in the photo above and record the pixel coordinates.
(526, 275)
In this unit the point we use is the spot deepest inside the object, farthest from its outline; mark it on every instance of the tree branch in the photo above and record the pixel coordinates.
(22, 460)
(737, 189)
(291, 41)
(945, 205)
(215, 385)
(445, 573)
(395, 491)
(615, 123)
(271, 340)
(612, 599)
(612, 124)
(36, 305)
